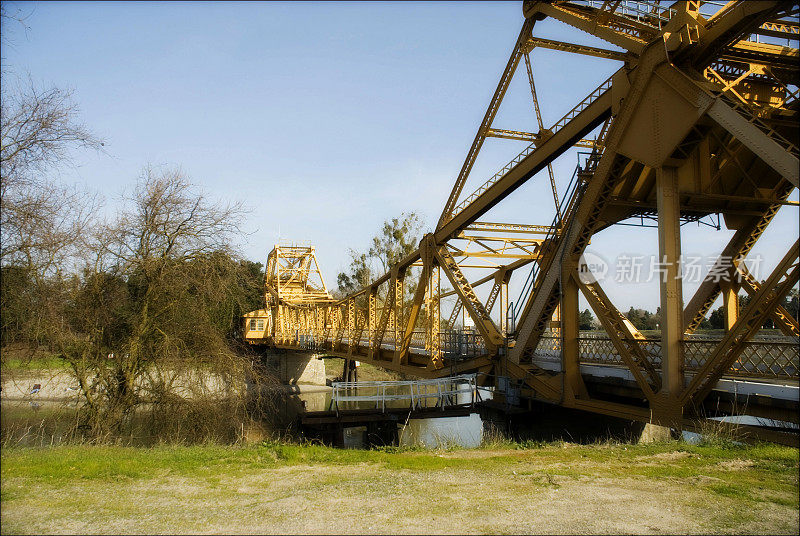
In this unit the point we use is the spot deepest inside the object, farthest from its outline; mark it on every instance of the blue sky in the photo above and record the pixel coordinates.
(323, 118)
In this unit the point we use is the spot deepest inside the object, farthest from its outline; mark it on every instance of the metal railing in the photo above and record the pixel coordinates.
(418, 393)
(564, 209)
(762, 357)
(652, 13)
(569, 202)
(462, 344)
(750, 114)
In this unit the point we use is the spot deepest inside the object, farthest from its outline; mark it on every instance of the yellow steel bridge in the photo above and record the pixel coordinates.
(700, 118)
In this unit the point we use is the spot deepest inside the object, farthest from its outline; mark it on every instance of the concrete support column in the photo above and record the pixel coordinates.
(669, 250)
(349, 371)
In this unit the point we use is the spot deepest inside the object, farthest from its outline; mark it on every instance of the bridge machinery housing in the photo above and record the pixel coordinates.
(292, 282)
(700, 119)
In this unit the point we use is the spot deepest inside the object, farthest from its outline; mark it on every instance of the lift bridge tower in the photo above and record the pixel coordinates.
(292, 282)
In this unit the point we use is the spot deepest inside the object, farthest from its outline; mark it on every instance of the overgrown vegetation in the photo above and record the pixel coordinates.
(646, 321)
(150, 317)
(144, 308)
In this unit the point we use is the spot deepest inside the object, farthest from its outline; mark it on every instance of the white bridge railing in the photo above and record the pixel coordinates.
(419, 393)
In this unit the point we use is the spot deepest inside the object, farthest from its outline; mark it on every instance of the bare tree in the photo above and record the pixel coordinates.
(42, 222)
(156, 304)
(41, 219)
(142, 308)
(169, 219)
(7, 17)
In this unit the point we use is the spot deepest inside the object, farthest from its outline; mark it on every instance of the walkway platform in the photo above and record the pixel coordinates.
(380, 406)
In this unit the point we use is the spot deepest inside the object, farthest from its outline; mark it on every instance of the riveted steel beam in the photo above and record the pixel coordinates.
(777, 286)
(491, 112)
(475, 308)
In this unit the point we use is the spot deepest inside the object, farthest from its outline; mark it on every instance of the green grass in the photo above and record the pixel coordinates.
(111, 462)
(36, 363)
(366, 371)
(20, 357)
(712, 488)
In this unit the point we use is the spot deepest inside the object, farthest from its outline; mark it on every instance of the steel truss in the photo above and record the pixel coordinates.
(698, 121)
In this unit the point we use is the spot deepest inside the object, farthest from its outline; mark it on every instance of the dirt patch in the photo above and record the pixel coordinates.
(547, 490)
(50, 385)
(675, 455)
(736, 465)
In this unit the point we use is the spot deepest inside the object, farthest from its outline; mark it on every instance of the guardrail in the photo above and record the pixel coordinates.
(445, 391)
(570, 200)
(773, 357)
(646, 12)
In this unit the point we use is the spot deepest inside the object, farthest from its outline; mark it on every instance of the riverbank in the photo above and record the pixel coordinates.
(499, 488)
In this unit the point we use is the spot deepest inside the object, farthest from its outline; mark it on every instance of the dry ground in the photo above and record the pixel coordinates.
(273, 488)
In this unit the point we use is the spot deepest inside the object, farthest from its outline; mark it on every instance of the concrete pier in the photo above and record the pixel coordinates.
(295, 367)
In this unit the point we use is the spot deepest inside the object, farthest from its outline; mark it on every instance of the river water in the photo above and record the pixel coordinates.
(39, 422)
(35, 420)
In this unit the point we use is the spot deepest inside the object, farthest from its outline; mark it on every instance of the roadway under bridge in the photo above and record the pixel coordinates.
(699, 121)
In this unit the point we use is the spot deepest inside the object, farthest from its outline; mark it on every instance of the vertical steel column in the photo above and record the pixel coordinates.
(351, 325)
(433, 319)
(570, 330)
(730, 303)
(555, 319)
(504, 307)
(278, 335)
(372, 322)
(397, 309)
(669, 250)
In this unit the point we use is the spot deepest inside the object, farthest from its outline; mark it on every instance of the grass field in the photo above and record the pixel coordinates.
(501, 488)
(366, 372)
(20, 358)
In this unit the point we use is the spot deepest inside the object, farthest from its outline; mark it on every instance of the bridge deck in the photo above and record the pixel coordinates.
(356, 417)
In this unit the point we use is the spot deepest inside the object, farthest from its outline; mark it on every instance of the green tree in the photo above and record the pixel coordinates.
(358, 275)
(643, 319)
(16, 289)
(586, 320)
(397, 239)
(792, 303)
(716, 319)
(635, 316)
